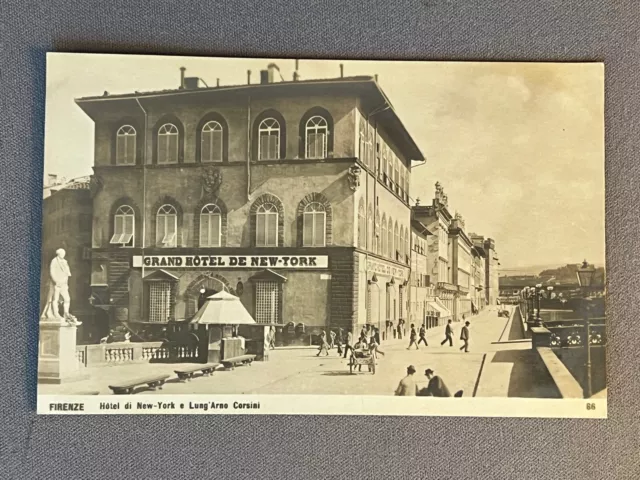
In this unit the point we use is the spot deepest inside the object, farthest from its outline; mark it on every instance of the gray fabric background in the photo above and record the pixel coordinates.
(288, 447)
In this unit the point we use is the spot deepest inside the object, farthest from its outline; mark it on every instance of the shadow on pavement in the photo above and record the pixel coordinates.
(529, 377)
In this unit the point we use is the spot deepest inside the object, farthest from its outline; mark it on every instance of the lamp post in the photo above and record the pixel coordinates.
(585, 276)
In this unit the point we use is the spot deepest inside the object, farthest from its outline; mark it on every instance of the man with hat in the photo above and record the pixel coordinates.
(464, 336)
(407, 386)
(436, 387)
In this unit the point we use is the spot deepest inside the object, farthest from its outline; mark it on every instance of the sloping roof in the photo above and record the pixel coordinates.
(268, 274)
(160, 275)
(223, 309)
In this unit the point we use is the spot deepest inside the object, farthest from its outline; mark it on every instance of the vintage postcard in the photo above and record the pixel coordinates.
(278, 236)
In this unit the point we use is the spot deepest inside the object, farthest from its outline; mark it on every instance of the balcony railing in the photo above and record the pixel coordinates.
(124, 352)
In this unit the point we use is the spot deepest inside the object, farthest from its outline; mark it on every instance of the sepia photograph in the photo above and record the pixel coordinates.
(293, 236)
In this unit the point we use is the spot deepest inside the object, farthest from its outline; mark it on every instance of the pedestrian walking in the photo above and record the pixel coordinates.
(272, 338)
(464, 336)
(436, 386)
(332, 339)
(423, 336)
(349, 344)
(412, 337)
(448, 335)
(324, 346)
(407, 386)
(340, 340)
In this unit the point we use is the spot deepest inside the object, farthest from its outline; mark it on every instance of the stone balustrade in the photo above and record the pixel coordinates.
(123, 353)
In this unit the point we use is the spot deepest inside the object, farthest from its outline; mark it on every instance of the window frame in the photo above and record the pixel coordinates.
(325, 143)
(124, 239)
(269, 129)
(321, 210)
(213, 211)
(172, 241)
(203, 135)
(167, 134)
(126, 136)
(273, 213)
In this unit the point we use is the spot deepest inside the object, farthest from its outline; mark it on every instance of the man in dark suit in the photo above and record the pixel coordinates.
(464, 336)
(448, 335)
(436, 387)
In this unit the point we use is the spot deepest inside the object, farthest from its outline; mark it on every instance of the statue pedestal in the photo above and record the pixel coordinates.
(57, 362)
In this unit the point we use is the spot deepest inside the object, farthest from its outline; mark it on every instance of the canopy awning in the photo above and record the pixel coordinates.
(223, 308)
(434, 306)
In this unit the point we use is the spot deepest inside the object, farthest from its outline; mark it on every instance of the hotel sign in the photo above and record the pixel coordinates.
(386, 269)
(232, 261)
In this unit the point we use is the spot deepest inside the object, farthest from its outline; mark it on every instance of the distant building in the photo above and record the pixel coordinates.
(66, 223)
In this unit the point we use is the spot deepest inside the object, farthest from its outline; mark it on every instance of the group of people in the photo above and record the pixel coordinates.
(435, 388)
(368, 341)
(448, 336)
(397, 331)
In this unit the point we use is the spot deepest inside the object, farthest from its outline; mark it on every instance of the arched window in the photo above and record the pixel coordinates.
(390, 158)
(316, 137)
(407, 245)
(401, 244)
(390, 245)
(269, 139)
(267, 225)
(211, 142)
(167, 226)
(384, 162)
(377, 235)
(126, 145)
(124, 222)
(370, 143)
(383, 236)
(314, 225)
(396, 241)
(168, 141)
(362, 225)
(370, 228)
(210, 226)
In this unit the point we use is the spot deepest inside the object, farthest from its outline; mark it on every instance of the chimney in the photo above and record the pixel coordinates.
(341, 70)
(52, 179)
(264, 76)
(376, 77)
(191, 83)
(296, 75)
(217, 82)
(182, 70)
(248, 77)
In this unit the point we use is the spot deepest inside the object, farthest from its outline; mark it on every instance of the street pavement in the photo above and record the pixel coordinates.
(496, 365)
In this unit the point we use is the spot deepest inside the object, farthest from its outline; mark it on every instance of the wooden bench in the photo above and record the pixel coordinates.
(230, 363)
(126, 388)
(188, 373)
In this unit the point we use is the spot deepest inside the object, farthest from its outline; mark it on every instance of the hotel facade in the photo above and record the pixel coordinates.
(292, 195)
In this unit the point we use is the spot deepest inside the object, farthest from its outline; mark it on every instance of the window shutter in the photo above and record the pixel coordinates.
(128, 225)
(312, 147)
(216, 146)
(160, 229)
(272, 229)
(214, 228)
(204, 230)
(205, 154)
(307, 229)
(260, 229)
(319, 228)
(118, 227)
(130, 149)
(172, 149)
(120, 150)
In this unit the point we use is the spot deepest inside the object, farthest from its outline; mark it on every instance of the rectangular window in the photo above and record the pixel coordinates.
(167, 149)
(313, 234)
(211, 146)
(316, 143)
(126, 149)
(269, 147)
(160, 304)
(267, 229)
(210, 230)
(267, 302)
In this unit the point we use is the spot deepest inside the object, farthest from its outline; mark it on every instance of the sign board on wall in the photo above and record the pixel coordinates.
(232, 261)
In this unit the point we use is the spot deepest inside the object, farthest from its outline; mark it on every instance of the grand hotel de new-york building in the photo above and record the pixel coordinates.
(292, 195)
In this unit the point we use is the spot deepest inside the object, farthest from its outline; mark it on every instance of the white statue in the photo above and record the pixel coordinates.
(59, 287)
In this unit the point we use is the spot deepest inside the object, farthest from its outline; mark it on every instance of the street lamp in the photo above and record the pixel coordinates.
(585, 276)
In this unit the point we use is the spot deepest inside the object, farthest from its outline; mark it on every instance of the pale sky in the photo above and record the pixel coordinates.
(518, 147)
